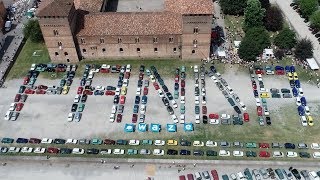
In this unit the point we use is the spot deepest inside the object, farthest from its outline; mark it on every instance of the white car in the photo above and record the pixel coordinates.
(174, 118)
(303, 120)
(258, 103)
(315, 146)
(70, 117)
(183, 100)
(307, 110)
(117, 93)
(230, 90)
(100, 88)
(118, 151)
(174, 104)
(12, 106)
(214, 121)
(218, 74)
(204, 100)
(46, 141)
(264, 90)
(134, 142)
(160, 93)
(77, 151)
(277, 154)
(211, 144)
(114, 109)
(106, 151)
(125, 83)
(225, 116)
(8, 115)
(298, 101)
(195, 68)
(198, 143)
(238, 153)
(91, 75)
(196, 100)
(300, 92)
(33, 67)
(158, 152)
(152, 78)
(159, 142)
(71, 141)
(197, 119)
(243, 107)
(182, 118)
(76, 98)
(112, 117)
(14, 150)
(224, 153)
(203, 91)
(266, 111)
(105, 66)
(292, 154)
(39, 150)
(143, 109)
(259, 77)
(138, 91)
(313, 175)
(316, 155)
(26, 150)
(128, 68)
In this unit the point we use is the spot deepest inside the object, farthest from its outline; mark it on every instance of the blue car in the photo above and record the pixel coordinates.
(297, 83)
(295, 92)
(135, 108)
(279, 68)
(303, 101)
(144, 100)
(292, 69)
(301, 110)
(22, 140)
(287, 68)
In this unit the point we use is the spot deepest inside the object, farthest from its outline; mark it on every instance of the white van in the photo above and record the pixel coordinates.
(7, 26)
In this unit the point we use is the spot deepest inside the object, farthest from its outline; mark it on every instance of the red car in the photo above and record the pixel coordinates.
(141, 76)
(34, 141)
(182, 177)
(119, 118)
(40, 91)
(246, 117)
(122, 99)
(104, 70)
(264, 145)
(127, 75)
(213, 116)
(19, 106)
(61, 69)
(259, 71)
(26, 80)
(110, 93)
(279, 72)
(53, 150)
(42, 87)
(156, 85)
(134, 118)
(176, 79)
(214, 174)
(109, 142)
(264, 154)
(204, 109)
(183, 83)
(17, 98)
(259, 110)
(145, 91)
(87, 92)
(29, 91)
(80, 90)
(183, 92)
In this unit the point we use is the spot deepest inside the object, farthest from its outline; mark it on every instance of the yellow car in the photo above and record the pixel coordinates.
(295, 76)
(264, 95)
(290, 77)
(310, 120)
(123, 90)
(172, 142)
(65, 89)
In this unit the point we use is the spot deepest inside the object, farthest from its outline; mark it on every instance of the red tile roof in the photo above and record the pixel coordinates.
(189, 6)
(54, 8)
(89, 5)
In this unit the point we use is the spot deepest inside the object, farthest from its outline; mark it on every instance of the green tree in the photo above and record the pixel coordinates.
(252, 45)
(233, 7)
(32, 30)
(303, 49)
(286, 39)
(279, 54)
(253, 14)
(265, 4)
(308, 7)
(273, 20)
(315, 19)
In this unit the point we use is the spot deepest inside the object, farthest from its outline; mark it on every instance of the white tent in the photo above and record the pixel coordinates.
(237, 44)
(221, 53)
(313, 64)
(267, 54)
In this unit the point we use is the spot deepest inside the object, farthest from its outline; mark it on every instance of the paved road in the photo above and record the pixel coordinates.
(298, 25)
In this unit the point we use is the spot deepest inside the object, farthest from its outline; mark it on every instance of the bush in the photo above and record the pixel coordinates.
(32, 30)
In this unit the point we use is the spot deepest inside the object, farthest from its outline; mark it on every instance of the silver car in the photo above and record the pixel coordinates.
(145, 152)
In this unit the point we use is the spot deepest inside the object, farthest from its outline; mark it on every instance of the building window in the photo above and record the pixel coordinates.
(170, 39)
(59, 43)
(138, 49)
(174, 50)
(103, 49)
(121, 49)
(193, 51)
(155, 40)
(84, 51)
(82, 41)
(68, 60)
(196, 30)
(119, 40)
(56, 54)
(56, 32)
(66, 53)
(101, 40)
(195, 42)
(155, 49)
(137, 40)
(93, 48)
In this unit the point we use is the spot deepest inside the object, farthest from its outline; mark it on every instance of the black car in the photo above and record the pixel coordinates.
(98, 92)
(140, 82)
(268, 120)
(185, 152)
(213, 69)
(111, 88)
(91, 88)
(237, 109)
(185, 143)
(71, 74)
(59, 141)
(116, 99)
(165, 88)
(304, 154)
(198, 153)
(120, 83)
(69, 82)
(65, 151)
(92, 151)
(211, 153)
(255, 93)
(170, 110)
(137, 100)
(205, 119)
(22, 140)
(74, 107)
(82, 82)
(176, 86)
(169, 95)
(165, 101)
(141, 69)
(172, 152)
(21, 89)
(289, 146)
(84, 98)
(295, 173)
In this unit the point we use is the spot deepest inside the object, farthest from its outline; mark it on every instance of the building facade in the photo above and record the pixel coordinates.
(76, 30)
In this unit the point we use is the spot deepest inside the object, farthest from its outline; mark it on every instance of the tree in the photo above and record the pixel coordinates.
(286, 39)
(32, 30)
(233, 7)
(315, 19)
(253, 14)
(279, 54)
(303, 49)
(308, 7)
(265, 4)
(252, 45)
(273, 20)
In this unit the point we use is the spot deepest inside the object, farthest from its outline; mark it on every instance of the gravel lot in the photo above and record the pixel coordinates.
(46, 115)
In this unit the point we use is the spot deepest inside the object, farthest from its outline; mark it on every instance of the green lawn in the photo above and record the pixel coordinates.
(26, 58)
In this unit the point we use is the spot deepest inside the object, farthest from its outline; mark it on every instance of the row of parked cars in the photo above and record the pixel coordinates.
(201, 175)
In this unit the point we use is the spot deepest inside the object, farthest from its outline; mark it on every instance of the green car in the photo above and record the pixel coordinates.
(279, 173)
(121, 142)
(96, 141)
(176, 94)
(264, 101)
(132, 151)
(211, 153)
(183, 69)
(182, 109)
(146, 142)
(7, 140)
(21, 89)
(62, 82)
(197, 109)
(81, 107)
(277, 95)
(251, 154)
(251, 145)
(225, 177)
(40, 69)
(32, 81)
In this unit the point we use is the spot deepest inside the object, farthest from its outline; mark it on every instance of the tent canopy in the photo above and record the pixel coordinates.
(313, 64)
